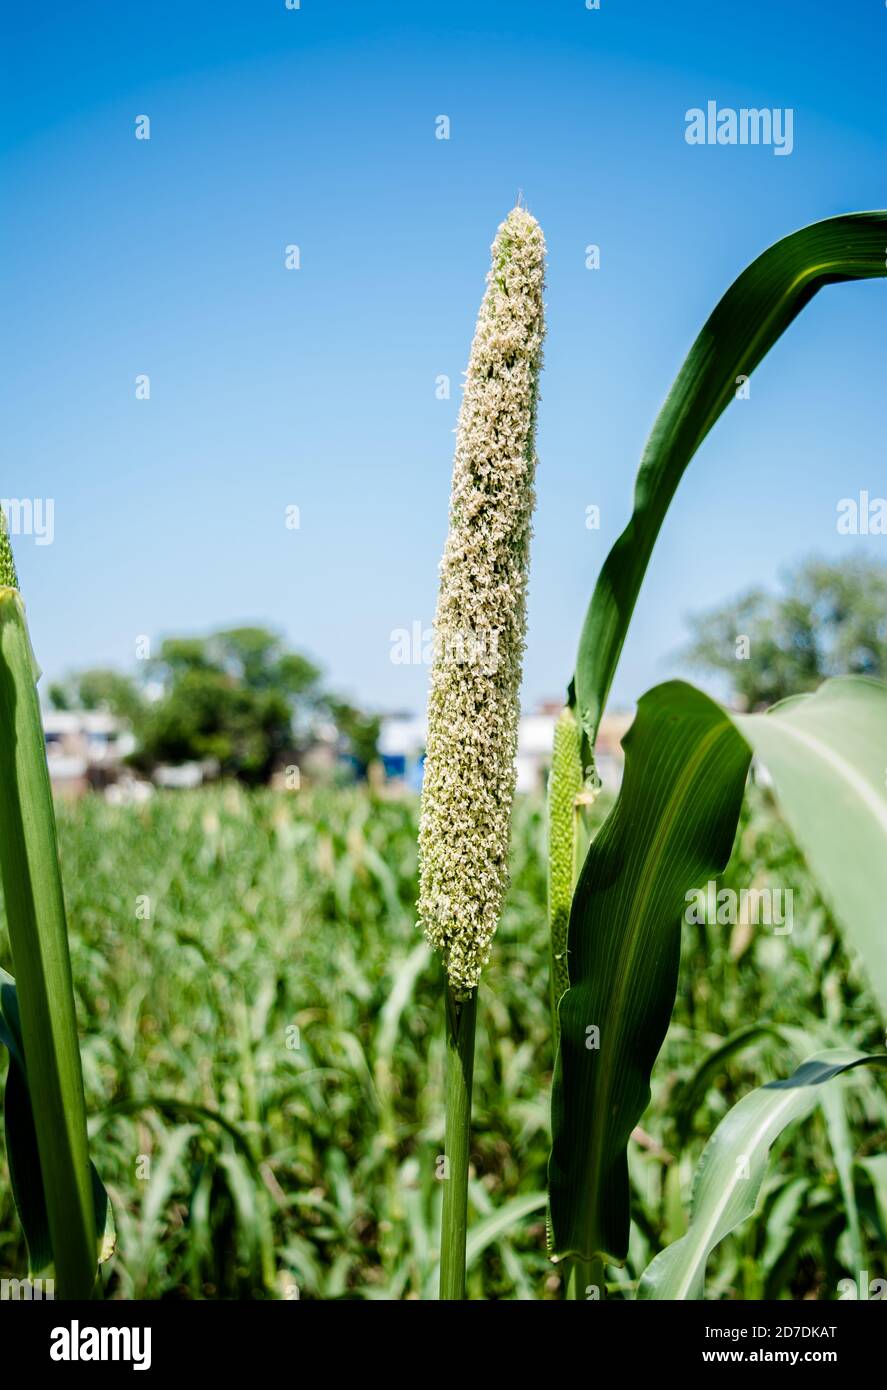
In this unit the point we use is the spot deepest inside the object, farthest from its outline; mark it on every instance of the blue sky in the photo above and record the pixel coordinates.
(315, 388)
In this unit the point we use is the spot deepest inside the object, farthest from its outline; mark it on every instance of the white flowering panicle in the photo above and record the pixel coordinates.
(473, 706)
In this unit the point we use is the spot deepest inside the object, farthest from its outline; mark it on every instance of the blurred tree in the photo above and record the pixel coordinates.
(209, 714)
(238, 697)
(830, 620)
(360, 731)
(98, 688)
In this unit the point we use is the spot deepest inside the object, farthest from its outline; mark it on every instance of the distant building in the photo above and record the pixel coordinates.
(84, 748)
(402, 748)
(179, 776)
(535, 737)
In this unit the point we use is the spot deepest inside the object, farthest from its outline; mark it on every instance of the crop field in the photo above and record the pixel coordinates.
(264, 1062)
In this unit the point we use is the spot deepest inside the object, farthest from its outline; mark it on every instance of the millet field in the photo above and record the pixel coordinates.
(260, 1025)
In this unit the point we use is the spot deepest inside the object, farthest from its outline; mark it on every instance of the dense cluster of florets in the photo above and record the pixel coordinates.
(480, 624)
(8, 577)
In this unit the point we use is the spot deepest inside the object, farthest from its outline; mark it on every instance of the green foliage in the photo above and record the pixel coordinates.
(299, 908)
(663, 823)
(672, 829)
(208, 714)
(238, 698)
(360, 731)
(830, 620)
(754, 313)
(733, 1166)
(672, 826)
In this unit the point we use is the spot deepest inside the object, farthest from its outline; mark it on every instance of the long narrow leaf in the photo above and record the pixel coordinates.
(38, 938)
(753, 314)
(24, 1157)
(732, 1167)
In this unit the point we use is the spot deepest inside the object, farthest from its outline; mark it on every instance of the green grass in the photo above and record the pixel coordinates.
(280, 985)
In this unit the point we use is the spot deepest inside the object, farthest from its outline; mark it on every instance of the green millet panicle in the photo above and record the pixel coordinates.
(480, 625)
(8, 576)
(565, 783)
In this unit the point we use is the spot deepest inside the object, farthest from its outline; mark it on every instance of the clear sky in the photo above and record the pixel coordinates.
(315, 388)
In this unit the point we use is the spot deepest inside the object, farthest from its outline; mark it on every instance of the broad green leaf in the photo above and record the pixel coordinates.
(827, 755)
(732, 1167)
(404, 974)
(672, 829)
(753, 314)
(23, 1156)
(35, 914)
(157, 1192)
(782, 1219)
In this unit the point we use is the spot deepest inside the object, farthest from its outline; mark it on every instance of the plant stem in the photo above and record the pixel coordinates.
(582, 1275)
(461, 1020)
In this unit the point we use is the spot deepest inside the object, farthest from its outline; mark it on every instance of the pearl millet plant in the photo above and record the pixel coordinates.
(8, 577)
(474, 707)
(474, 701)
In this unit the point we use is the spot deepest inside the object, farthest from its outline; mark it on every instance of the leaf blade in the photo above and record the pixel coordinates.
(672, 827)
(732, 1167)
(749, 319)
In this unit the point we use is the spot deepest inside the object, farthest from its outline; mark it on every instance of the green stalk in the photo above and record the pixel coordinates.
(582, 1275)
(564, 786)
(461, 1021)
(38, 938)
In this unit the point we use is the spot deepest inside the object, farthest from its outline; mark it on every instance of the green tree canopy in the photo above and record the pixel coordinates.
(100, 689)
(238, 697)
(829, 619)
